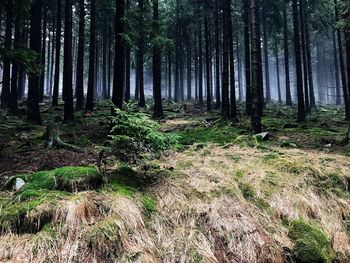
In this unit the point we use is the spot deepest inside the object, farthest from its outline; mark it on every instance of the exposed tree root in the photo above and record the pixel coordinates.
(53, 139)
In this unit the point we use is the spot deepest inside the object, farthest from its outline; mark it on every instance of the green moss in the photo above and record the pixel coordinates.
(67, 178)
(218, 134)
(14, 210)
(311, 243)
(149, 202)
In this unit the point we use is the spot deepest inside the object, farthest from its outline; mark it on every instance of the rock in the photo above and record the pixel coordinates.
(19, 183)
(328, 146)
(264, 136)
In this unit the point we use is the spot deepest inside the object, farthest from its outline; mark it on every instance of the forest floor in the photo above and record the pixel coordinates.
(216, 195)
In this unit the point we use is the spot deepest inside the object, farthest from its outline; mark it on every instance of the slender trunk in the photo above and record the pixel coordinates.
(200, 65)
(92, 49)
(336, 70)
(80, 60)
(140, 52)
(247, 41)
(104, 61)
(304, 55)
(286, 55)
(189, 65)
(278, 72)
(256, 64)
(52, 60)
(127, 64)
(239, 65)
(43, 52)
(207, 62)
(6, 73)
(233, 107)
(67, 63)
(119, 61)
(33, 110)
(342, 64)
(266, 57)
(13, 105)
(169, 76)
(217, 57)
(157, 90)
(225, 108)
(58, 54)
(299, 74)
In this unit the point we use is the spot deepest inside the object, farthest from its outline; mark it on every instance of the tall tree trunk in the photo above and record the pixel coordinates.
(200, 65)
(13, 105)
(169, 76)
(58, 54)
(189, 65)
(33, 111)
(140, 53)
(299, 73)
(342, 64)
(104, 61)
(127, 64)
(80, 60)
(67, 63)
(256, 65)
(225, 108)
(309, 58)
(233, 107)
(286, 55)
(266, 57)
(119, 61)
(278, 72)
(336, 70)
(157, 89)
(217, 56)
(247, 41)
(239, 65)
(207, 62)
(304, 55)
(43, 52)
(52, 60)
(6, 73)
(92, 49)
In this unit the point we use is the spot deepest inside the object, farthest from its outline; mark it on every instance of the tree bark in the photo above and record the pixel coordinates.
(68, 63)
(92, 49)
(286, 55)
(33, 111)
(80, 60)
(299, 74)
(119, 61)
(58, 54)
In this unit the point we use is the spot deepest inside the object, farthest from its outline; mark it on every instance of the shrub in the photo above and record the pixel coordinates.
(136, 132)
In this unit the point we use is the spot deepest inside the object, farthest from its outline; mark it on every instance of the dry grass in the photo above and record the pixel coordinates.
(233, 205)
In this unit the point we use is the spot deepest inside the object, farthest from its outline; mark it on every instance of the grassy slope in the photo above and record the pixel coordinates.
(224, 197)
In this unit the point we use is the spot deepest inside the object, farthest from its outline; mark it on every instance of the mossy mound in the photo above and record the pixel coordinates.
(69, 178)
(29, 211)
(311, 243)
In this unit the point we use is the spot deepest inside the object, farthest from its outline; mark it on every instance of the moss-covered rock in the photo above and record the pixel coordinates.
(67, 178)
(311, 243)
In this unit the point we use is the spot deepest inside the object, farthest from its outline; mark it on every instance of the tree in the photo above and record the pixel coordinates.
(286, 53)
(247, 42)
(157, 89)
(6, 74)
(140, 53)
(225, 108)
(119, 60)
(67, 63)
(256, 68)
(80, 60)
(300, 92)
(58, 55)
(92, 49)
(33, 111)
